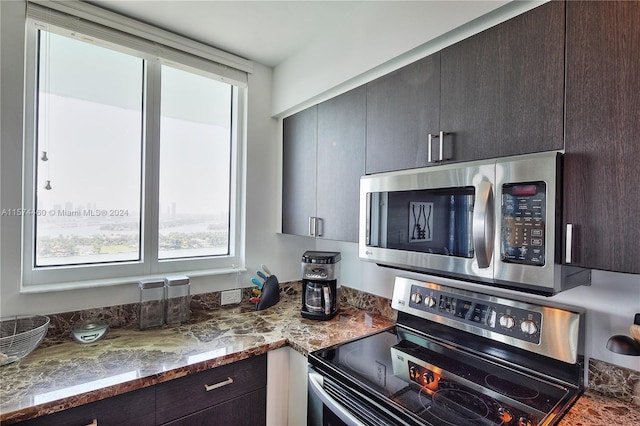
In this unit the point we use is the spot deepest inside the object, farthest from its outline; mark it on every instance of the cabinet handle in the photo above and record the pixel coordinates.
(442, 134)
(319, 226)
(429, 148)
(312, 226)
(441, 156)
(218, 385)
(569, 243)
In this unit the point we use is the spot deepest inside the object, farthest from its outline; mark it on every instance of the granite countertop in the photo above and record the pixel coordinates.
(595, 409)
(62, 374)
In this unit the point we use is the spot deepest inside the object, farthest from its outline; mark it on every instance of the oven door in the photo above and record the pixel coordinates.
(328, 400)
(435, 219)
(322, 409)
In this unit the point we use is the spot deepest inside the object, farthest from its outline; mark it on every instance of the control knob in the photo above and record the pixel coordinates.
(428, 377)
(505, 415)
(507, 321)
(414, 373)
(429, 301)
(416, 298)
(523, 421)
(529, 327)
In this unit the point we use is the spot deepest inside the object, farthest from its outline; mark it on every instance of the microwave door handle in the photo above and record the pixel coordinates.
(315, 384)
(483, 222)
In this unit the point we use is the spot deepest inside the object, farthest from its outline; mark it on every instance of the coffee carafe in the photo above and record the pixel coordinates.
(320, 284)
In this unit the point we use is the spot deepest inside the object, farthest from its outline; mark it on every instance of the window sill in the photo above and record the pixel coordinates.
(112, 282)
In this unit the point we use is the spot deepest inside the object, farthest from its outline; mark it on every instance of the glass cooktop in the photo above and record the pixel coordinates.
(440, 384)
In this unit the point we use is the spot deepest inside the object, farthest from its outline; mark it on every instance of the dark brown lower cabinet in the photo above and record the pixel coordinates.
(219, 390)
(136, 408)
(246, 410)
(232, 394)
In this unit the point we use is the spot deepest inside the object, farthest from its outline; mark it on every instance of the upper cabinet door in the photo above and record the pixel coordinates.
(502, 89)
(341, 140)
(403, 107)
(299, 140)
(602, 161)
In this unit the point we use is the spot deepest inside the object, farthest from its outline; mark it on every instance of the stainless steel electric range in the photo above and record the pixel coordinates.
(455, 357)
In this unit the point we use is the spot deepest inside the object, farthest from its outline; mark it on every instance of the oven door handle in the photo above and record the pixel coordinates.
(315, 382)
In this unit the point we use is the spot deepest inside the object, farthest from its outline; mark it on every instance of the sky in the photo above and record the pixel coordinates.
(90, 113)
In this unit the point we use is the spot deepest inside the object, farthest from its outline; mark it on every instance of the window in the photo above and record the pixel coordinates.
(195, 154)
(132, 160)
(89, 139)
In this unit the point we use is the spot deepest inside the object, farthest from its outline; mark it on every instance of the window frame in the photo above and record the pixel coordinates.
(46, 278)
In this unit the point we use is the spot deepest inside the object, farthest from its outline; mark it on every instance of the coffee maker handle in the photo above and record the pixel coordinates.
(327, 299)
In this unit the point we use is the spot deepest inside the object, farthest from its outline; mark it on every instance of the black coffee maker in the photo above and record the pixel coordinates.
(320, 271)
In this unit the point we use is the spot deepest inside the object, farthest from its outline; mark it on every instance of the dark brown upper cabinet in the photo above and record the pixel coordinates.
(403, 107)
(341, 151)
(494, 94)
(602, 160)
(503, 88)
(300, 139)
(323, 160)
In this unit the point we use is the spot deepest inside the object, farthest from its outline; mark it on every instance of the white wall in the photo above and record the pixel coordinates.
(377, 39)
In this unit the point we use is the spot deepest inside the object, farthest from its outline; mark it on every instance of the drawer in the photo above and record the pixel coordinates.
(180, 397)
(136, 408)
(246, 410)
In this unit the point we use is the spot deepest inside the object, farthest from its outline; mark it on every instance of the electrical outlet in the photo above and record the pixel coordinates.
(381, 374)
(230, 296)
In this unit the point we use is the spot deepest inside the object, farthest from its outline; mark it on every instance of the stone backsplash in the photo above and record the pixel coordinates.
(614, 381)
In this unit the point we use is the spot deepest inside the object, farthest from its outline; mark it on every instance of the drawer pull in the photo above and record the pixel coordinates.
(218, 385)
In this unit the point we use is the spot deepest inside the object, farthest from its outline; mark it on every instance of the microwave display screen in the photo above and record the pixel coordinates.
(523, 223)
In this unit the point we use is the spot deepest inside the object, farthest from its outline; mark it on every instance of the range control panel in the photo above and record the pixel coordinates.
(524, 323)
(517, 323)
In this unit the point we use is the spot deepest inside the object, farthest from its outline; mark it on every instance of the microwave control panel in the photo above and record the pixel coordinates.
(523, 221)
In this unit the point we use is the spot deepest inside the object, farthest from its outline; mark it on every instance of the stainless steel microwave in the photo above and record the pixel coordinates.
(495, 222)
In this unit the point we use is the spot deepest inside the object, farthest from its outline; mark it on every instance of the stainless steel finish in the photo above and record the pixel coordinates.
(441, 156)
(543, 167)
(569, 244)
(487, 265)
(219, 385)
(327, 298)
(443, 176)
(315, 385)
(312, 226)
(315, 226)
(483, 221)
(559, 329)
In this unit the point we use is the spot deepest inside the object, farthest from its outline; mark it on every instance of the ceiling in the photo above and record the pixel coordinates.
(266, 32)
(269, 32)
